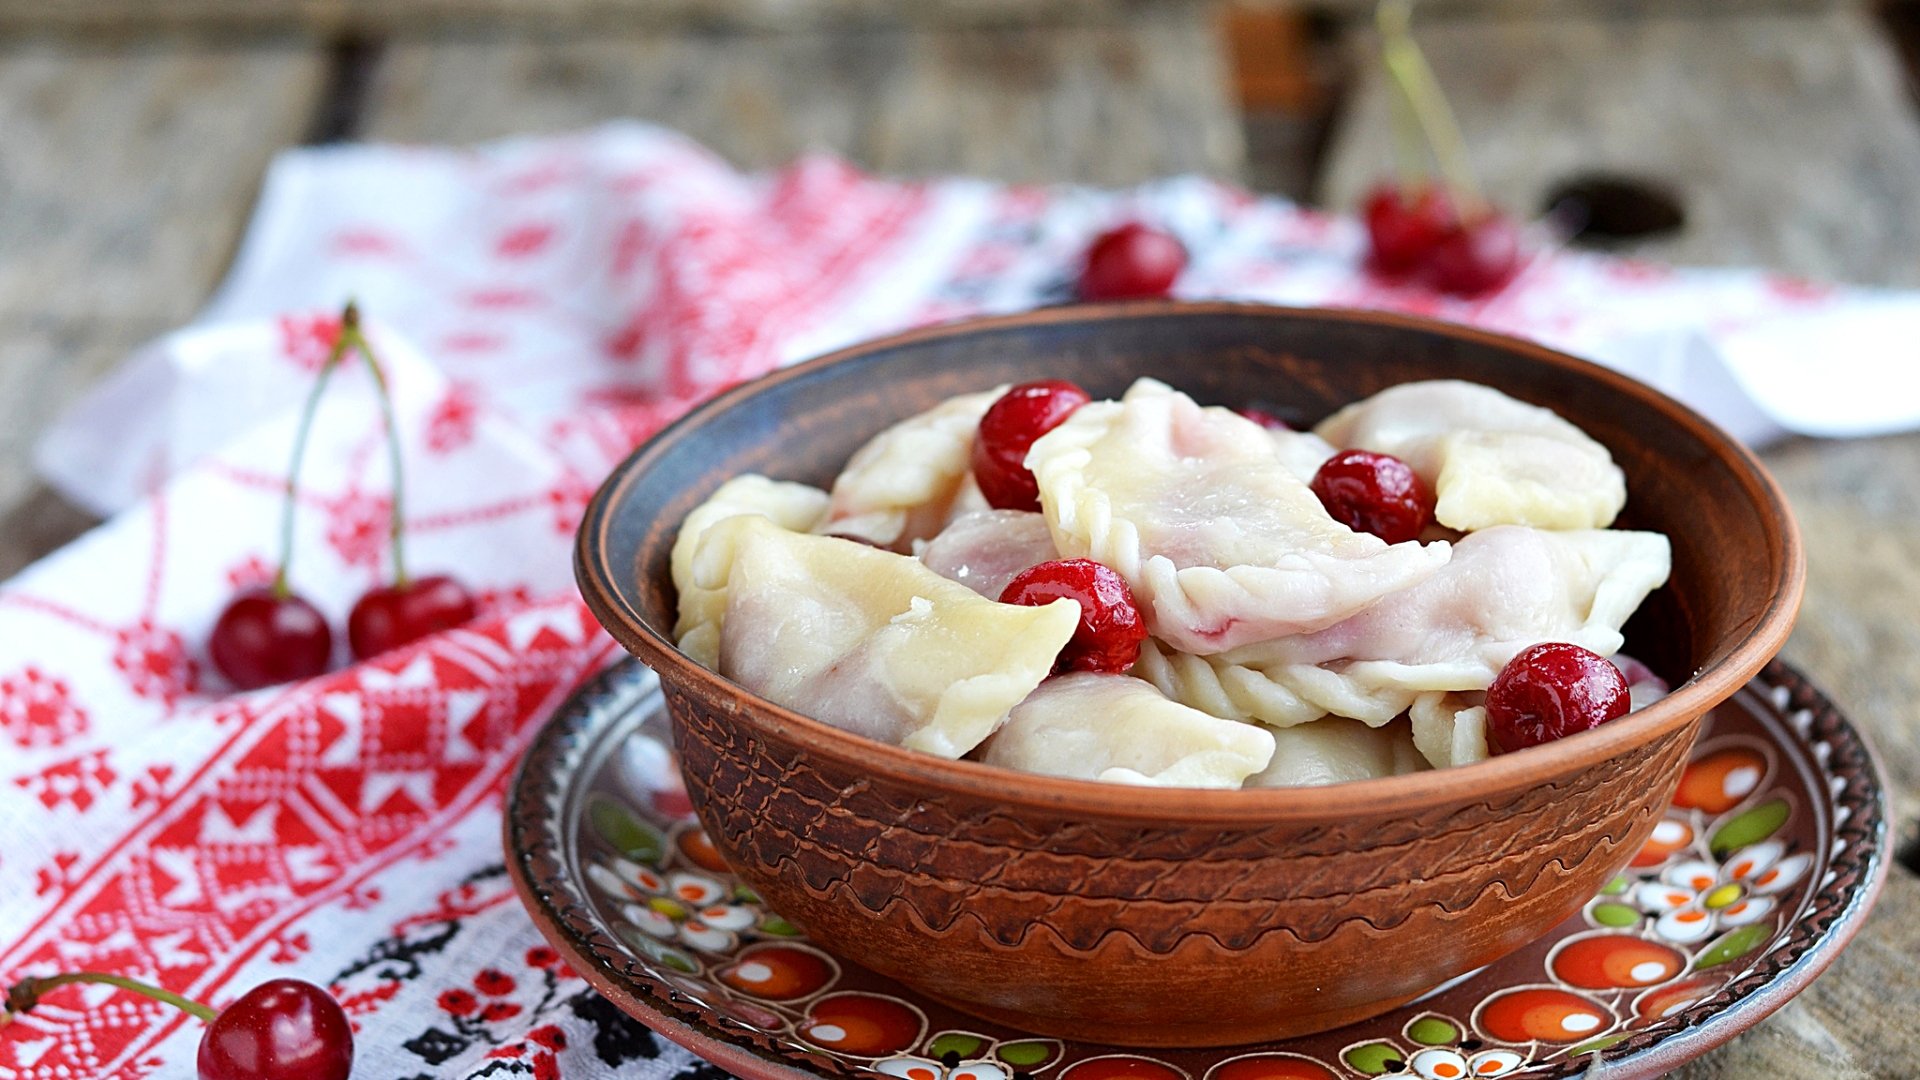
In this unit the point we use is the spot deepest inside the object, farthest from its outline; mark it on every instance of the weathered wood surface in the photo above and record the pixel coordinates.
(1789, 137)
(409, 16)
(1101, 104)
(126, 175)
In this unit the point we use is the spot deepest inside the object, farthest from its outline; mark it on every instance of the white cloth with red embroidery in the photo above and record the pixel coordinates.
(543, 305)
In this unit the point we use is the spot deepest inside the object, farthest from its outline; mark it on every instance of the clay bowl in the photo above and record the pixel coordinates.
(1165, 917)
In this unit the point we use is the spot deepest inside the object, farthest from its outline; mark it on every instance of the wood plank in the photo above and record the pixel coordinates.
(1103, 104)
(1789, 136)
(381, 17)
(378, 17)
(126, 176)
(1858, 502)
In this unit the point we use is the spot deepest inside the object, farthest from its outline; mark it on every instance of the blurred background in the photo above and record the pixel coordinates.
(133, 133)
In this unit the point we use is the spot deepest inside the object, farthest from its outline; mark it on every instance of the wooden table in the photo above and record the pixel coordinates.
(128, 167)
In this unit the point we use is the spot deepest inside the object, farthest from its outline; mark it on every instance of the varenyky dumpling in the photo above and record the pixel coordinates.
(1302, 452)
(1449, 728)
(1491, 460)
(985, 549)
(870, 641)
(1335, 750)
(790, 506)
(902, 485)
(1221, 543)
(1115, 727)
(1506, 588)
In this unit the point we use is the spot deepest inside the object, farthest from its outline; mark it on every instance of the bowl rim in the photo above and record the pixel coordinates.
(1765, 634)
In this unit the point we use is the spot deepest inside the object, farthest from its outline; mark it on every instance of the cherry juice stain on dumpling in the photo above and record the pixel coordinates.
(1220, 541)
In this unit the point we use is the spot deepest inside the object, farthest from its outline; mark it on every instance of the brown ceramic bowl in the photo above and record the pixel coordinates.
(1169, 917)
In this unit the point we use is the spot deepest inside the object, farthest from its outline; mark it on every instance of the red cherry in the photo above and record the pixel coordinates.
(1132, 261)
(1478, 257)
(1374, 493)
(262, 639)
(285, 1029)
(1551, 691)
(1007, 431)
(1403, 228)
(1111, 628)
(393, 615)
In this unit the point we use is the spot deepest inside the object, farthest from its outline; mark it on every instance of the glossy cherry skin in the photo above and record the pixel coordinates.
(1131, 262)
(1374, 493)
(285, 1029)
(1023, 414)
(262, 639)
(1478, 257)
(391, 615)
(1111, 626)
(1404, 227)
(1551, 691)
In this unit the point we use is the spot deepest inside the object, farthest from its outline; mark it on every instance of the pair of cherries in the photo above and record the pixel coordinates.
(1433, 227)
(284, 1029)
(273, 635)
(1422, 233)
(1547, 692)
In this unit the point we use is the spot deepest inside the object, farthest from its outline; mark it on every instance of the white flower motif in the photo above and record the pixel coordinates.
(1694, 898)
(908, 1067)
(1446, 1063)
(692, 908)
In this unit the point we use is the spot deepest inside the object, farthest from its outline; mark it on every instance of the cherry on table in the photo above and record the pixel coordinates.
(1553, 690)
(265, 637)
(1404, 227)
(1111, 626)
(390, 616)
(1007, 431)
(1131, 262)
(1374, 493)
(1478, 257)
(285, 1029)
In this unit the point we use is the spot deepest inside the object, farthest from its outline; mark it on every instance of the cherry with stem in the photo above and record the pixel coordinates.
(283, 1029)
(273, 635)
(389, 616)
(1445, 231)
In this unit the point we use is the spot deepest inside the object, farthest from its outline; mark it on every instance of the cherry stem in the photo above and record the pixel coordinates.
(1423, 98)
(307, 410)
(26, 993)
(396, 528)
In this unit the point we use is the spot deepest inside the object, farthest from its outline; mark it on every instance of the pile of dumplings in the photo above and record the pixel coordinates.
(1286, 648)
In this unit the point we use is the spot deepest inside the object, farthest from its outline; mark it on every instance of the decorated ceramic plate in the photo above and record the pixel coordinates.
(1765, 865)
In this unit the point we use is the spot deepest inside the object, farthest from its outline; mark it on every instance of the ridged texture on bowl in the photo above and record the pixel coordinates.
(1169, 917)
(1169, 936)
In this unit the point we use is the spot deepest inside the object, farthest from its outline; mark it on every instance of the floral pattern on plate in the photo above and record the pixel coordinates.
(1751, 869)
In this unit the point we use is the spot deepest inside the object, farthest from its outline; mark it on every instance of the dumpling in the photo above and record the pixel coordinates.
(1506, 588)
(902, 485)
(1450, 728)
(1091, 726)
(1302, 452)
(1222, 544)
(790, 506)
(1491, 460)
(870, 641)
(985, 549)
(1335, 750)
